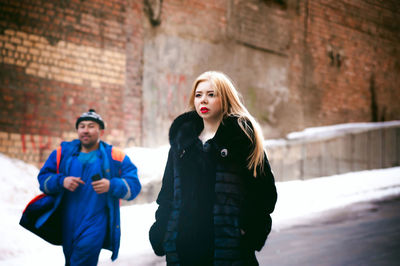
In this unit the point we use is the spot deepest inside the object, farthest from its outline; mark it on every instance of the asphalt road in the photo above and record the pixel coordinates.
(361, 234)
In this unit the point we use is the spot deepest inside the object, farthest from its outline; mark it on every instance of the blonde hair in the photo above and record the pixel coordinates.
(233, 106)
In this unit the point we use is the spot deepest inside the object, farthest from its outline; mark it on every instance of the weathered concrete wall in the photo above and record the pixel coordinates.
(172, 66)
(230, 36)
(297, 63)
(352, 151)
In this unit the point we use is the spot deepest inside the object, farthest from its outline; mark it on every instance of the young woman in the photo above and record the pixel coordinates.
(218, 189)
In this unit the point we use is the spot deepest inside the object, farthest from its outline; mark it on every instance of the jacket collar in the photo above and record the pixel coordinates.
(74, 146)
(186, 128)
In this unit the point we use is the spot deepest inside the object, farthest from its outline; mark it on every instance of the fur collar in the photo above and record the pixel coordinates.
(186, 128)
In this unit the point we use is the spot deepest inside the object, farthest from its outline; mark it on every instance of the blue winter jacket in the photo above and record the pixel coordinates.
(116, 166)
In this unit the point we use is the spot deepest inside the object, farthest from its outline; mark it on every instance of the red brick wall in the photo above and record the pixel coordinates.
(60, 58)
(350, 51)
(336, 62)
(261, 24)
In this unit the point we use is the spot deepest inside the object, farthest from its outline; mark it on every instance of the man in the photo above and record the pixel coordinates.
(87, 177)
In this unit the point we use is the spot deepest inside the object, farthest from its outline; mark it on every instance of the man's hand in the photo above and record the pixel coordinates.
(101, 186)
(71, 183)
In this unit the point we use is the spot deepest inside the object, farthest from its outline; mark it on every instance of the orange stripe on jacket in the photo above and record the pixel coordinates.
(38, 197)
(58, 159)
(117, 154)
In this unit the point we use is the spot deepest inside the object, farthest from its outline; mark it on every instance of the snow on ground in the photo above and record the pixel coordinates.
(300, 199)
(17, 245)
(297, 200)
(150, 161)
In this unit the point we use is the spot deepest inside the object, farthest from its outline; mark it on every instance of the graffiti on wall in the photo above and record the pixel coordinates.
(177, 94)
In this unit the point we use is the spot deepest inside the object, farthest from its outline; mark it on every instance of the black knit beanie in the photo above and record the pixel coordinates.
(92, 116)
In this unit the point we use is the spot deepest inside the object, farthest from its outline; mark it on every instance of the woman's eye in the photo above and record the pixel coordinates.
(197, 95)
(211, 94)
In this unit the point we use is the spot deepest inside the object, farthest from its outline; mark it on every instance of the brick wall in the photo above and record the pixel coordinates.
(351, 59)
(297, 63)
(261, 24)
(58, 59)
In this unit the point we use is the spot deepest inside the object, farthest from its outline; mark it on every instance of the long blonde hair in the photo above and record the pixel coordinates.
(233, 106)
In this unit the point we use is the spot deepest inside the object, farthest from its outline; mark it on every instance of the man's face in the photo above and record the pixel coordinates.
(89, 133)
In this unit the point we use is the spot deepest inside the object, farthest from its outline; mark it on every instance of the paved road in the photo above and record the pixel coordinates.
(362, 234)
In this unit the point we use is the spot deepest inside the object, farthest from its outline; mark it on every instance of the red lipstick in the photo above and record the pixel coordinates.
(204, 110)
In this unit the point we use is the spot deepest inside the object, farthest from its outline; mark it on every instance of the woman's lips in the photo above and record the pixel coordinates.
(204, 110)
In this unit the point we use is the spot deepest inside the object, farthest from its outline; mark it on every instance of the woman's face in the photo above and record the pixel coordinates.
(207, 103)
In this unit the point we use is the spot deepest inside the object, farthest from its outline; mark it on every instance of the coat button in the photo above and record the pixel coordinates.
(206, 147)
(224, 152)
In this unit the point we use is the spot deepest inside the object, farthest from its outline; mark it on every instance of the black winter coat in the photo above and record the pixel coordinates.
(240, 204)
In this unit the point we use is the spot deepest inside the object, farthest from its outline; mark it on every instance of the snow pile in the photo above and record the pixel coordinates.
(338, 130)
(17, 246)
(297, 200)
(18, 181)
(326, 132)
(149, 161)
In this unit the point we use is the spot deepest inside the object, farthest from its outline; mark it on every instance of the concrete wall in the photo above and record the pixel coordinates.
(235, 37)
(305, 158)
(298, 64)
(352, 151)
(172, 66)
